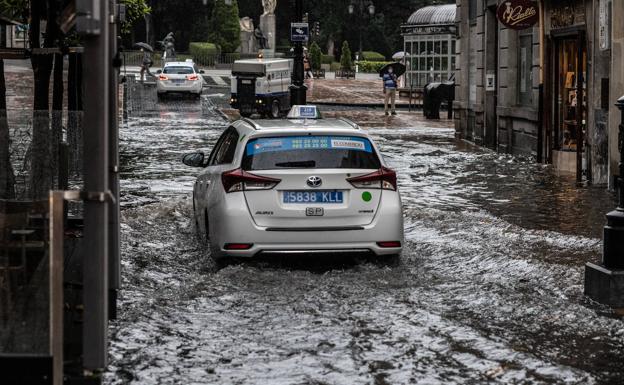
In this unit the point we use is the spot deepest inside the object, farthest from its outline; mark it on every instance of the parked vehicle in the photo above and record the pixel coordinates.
(302, 185)
(261, 86)
(179, 77)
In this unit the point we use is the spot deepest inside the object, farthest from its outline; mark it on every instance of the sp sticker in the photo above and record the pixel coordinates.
(367, 196)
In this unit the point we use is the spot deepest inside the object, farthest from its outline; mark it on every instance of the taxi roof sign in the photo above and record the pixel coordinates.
(304, 112)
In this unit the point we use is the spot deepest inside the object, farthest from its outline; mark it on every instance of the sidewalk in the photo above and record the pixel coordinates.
(366, 92)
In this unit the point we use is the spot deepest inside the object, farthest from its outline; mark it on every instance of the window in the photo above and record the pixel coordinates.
(472, 11)
(525, 70)
(224, 150)
(310, 152)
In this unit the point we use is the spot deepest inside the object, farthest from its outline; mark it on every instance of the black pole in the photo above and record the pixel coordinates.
(613, 254)
(298, 88)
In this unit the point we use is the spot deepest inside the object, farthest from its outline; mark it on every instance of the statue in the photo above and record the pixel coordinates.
(260, 38)
(269, 6)
(168, 46)
(246, 24)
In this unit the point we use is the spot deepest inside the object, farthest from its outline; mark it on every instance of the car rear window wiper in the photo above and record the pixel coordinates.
(302, 164)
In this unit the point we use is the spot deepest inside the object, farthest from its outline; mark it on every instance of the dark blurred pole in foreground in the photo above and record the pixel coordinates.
(298, 88)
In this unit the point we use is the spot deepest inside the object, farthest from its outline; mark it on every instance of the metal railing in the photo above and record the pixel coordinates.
(223, 60)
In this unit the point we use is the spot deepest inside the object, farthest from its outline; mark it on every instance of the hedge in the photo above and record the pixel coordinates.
(372, 56)
(199, 50)
(327, 59)
(371, 66)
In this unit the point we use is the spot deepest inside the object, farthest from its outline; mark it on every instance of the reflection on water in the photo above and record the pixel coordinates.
(488, 289)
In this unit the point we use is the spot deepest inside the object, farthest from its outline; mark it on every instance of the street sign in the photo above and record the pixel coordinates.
(299, 32)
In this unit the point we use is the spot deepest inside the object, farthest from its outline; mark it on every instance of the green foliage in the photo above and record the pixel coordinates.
(315, 56)
(14, 9)
(327, 59)
(335, 66)
(197, 49)
(346, 62)
(135, 10)
(372, 56)
(371, 66)
(224, 26)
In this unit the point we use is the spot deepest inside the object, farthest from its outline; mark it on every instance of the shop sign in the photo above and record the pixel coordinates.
(604, 26)
(518, 14)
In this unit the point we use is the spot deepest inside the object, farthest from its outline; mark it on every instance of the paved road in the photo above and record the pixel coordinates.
(489, 288)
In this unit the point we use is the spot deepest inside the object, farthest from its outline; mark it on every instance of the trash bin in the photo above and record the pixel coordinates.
(433, 96)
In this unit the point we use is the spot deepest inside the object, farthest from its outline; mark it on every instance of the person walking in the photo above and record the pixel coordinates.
(389, 86)
(145, 64)
(307, 67)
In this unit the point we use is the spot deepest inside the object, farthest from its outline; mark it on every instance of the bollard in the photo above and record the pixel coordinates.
(605, 283)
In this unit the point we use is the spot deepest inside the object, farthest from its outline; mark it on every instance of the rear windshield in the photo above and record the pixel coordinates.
(310, 152)
(181, 70)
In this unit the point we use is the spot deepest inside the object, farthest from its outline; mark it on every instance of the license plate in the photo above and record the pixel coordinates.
(312, 196)
(315, 211)
(178, 81)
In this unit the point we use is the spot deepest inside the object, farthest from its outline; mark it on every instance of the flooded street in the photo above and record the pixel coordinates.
(489, 287)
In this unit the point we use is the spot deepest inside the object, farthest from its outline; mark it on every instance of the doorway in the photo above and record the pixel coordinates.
(570, 103)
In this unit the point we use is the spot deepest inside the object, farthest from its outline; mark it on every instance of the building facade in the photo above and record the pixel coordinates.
(548, 90)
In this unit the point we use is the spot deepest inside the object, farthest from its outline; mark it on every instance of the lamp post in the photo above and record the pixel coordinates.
(605, 283)
(298, 88)
(363, 6)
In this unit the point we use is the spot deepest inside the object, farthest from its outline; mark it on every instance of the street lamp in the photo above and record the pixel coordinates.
(363, 6)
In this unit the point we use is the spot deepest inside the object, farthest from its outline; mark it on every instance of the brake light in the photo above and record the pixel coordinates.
(163, 77)
(389, 244)
(384, 178)
(240, 180)
(238, 246)
(192, 77)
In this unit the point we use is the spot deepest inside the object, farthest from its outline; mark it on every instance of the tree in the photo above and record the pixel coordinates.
(346, 63)
(135, 10)
(315, 56)
(225, 26)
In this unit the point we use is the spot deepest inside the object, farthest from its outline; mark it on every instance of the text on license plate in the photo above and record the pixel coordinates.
(178, 81)
(312, 196)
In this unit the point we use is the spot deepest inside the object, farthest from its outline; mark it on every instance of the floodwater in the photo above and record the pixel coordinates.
(489, 287)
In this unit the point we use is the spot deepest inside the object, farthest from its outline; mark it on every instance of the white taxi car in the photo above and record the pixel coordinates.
(179, 77)
(296, 186)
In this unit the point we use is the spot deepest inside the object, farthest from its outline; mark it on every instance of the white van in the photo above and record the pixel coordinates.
(261, 86)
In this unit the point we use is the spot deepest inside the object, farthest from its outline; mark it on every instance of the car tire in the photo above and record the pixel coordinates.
(275, 109)
(245, 114)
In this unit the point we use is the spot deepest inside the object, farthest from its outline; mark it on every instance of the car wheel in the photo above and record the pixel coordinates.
(275, 109)
(245, 114)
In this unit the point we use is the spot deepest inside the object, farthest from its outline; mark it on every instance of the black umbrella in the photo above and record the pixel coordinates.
(145, 46)
(397, 68)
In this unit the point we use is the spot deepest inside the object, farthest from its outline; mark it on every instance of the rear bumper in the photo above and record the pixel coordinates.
(236, 226)
(195, 87)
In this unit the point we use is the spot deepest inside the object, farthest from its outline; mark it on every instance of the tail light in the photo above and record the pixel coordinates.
(240, 180)
(389, 244)
(192, 77)
(384, 178)
(163, 77)
(238, 246)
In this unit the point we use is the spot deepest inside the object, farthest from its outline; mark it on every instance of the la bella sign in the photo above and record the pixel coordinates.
(518, 14)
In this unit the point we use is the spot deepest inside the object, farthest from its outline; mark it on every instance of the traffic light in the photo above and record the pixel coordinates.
(317, 28)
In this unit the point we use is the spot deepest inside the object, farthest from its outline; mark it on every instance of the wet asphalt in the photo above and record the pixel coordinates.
(489, 288)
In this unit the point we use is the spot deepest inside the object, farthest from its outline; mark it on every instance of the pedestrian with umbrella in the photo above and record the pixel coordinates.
(390, 74)
(147, 62)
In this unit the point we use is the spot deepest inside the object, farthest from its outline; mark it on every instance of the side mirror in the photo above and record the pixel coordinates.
(158, 72)
(202, 71)
(194, 160)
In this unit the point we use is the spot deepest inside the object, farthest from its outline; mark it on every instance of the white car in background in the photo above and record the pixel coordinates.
(179, 77)
(296, 186)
